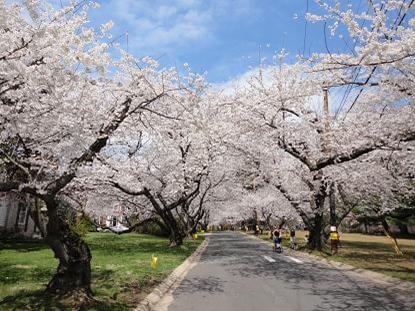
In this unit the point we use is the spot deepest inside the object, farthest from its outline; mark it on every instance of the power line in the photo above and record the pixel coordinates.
(305, 27)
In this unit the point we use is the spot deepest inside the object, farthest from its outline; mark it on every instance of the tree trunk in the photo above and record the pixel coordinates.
(73, 275)
(366, 226)
(176, 235)
(175, 239)
(391, 236)
(315, 239)
(268, 222)
(282, 223)
(403, 228)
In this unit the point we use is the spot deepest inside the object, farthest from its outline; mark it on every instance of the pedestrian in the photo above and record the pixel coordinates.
(334, 240)
(293, 241)
(277, 241)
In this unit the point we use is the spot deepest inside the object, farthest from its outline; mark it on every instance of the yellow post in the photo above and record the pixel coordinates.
(153, 263)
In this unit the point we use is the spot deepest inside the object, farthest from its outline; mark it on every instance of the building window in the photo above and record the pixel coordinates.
(22, 215)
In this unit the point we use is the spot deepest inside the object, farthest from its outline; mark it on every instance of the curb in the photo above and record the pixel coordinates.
(376, 276)
(173, 279)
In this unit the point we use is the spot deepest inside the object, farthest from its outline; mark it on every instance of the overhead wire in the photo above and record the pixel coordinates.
(398, 21)
(355, 75)
(305, 28)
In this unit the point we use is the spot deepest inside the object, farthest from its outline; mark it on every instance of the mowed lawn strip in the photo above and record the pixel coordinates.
(369, 252)
(121, 272)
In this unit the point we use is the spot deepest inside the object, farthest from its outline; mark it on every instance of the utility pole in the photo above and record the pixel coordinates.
(326, 101)
(326, 142)
(326, 149)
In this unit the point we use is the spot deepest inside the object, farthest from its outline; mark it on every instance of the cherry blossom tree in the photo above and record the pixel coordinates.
(278, 112)
(178, 165)
(76, 122)
(379, 187)
(379, 47)
(63, 97)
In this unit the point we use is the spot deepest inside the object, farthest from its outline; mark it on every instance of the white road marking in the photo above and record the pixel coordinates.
(295, 259)
(269, 258)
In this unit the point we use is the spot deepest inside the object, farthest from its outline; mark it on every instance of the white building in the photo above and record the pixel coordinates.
(15, 216)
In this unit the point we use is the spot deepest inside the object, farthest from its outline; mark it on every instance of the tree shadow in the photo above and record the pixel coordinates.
(334, 289)
(210, 285)
(39, 300)
(23, 246)
(31, 300)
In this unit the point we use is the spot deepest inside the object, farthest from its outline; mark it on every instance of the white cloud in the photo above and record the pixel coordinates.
(168, 25)
(233, 85)
(159, 24)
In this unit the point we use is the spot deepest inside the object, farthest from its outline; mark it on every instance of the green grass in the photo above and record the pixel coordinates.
(121, 272)
(369, 252)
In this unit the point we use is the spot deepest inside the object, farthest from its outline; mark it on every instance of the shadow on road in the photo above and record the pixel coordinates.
(242, 259)
(210, 285)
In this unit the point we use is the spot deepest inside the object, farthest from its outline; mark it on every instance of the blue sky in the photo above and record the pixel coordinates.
(221, 37)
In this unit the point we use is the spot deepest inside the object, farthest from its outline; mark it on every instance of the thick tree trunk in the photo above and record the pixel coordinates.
(176, 235)
(175, 239)
(315, 240)
(73, 275)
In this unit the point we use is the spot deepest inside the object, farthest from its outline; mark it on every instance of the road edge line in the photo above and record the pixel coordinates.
(174, 279)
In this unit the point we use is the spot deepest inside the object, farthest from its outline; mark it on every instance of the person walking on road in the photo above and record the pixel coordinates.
(293, 241)
(277, 241)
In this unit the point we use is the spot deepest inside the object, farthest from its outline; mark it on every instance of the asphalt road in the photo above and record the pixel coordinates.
(238, 273)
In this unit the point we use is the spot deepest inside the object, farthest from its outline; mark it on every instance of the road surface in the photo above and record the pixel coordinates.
(238, 273)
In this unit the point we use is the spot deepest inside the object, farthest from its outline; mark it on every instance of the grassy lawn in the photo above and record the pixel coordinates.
(121, 272)
(370, 252)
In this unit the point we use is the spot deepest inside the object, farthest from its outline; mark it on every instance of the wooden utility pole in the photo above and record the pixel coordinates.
(326, 102)
(326, 142)
(327, 150)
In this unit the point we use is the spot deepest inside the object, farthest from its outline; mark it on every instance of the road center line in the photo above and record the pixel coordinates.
(269, 258)
(295, 259)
